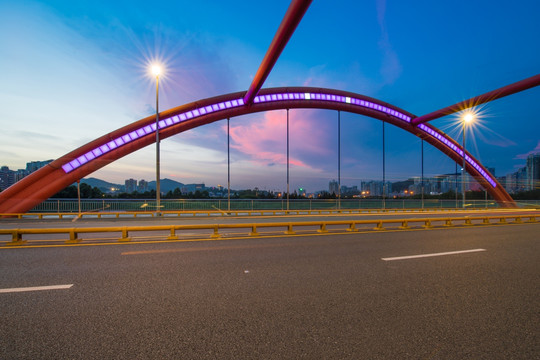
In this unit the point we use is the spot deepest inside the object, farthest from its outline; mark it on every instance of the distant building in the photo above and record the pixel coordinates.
(533, 172)
(7, 177)
(517, 181)
(511, 183)
(521, 179)
(35, 165)
(131, 185)
(349, 190)
(388, 189)
(333, 187)
(375, 188)
(192, 188)
(20, 174)
(143, 186)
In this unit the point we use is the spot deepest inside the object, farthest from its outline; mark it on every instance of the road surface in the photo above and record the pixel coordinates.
(312, 297)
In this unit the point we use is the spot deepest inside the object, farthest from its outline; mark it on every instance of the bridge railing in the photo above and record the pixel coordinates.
(115, 205)
(170, 232)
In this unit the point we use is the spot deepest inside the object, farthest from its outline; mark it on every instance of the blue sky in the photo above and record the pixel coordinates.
(75, 70)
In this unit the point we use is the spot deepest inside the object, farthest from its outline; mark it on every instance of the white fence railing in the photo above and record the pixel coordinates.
(115, 205)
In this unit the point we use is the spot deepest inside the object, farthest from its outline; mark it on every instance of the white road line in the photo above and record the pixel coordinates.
(36, 288)
(431, 255)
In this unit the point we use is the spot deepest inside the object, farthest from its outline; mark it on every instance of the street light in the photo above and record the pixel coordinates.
(466, 119)
(156, 71)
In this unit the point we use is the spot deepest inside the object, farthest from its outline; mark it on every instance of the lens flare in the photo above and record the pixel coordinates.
(156, 70)
(468, 117)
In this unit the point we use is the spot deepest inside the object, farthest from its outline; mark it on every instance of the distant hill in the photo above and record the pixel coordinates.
(400, 186)
(165, 185)
(102, 184)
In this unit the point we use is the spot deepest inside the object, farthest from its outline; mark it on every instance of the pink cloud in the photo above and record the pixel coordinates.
(265, 140)
(536, 150)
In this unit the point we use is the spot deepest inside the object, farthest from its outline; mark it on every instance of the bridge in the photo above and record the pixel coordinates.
(40, 185)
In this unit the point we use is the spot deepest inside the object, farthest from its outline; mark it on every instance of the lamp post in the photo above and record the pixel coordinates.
(79, 195)
(156, 71)
(467, 118)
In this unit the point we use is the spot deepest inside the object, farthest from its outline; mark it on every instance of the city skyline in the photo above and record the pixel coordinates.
(78, 71)
(524, 179)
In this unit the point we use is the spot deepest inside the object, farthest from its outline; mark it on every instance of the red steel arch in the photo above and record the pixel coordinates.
(47, 181)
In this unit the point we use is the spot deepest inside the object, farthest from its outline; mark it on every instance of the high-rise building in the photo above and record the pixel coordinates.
(131, 185)
(533, 172)
(333, 187)
(7, 177)
(35, 165)
(349, 190)
(143, 186)
(20, 174)
(511, 183)
(521, 179)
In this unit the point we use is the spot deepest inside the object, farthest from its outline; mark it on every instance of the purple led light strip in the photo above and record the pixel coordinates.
(149, 129)
(458, 151)
(331, 97)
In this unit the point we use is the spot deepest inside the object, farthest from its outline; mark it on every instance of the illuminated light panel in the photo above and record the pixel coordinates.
(97, 152)
(201, 111)
(82, 159)
(458, 151)
(67, 167)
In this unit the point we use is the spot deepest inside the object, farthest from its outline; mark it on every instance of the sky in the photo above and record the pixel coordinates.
(75, 70)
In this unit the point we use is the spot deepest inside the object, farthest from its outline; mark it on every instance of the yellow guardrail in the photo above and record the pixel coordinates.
(195, 213)
(288, 227)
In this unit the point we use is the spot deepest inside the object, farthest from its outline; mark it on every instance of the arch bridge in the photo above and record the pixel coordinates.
(77, 164)
(47, 181)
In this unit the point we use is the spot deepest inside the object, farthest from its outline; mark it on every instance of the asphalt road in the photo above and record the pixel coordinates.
(312, 297)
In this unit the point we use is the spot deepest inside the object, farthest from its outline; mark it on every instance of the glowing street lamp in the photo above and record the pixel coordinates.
(466, 119)
(156, 71)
